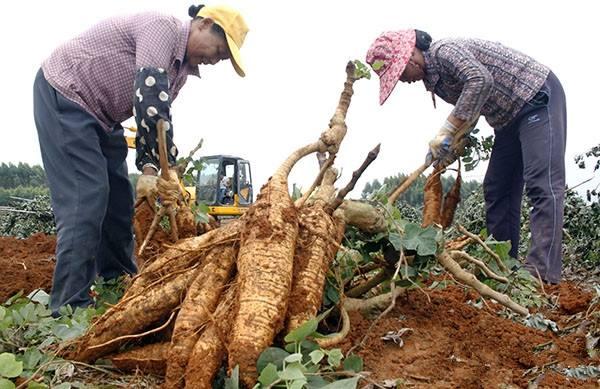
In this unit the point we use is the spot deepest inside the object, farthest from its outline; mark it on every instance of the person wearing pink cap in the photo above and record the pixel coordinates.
(522, 100)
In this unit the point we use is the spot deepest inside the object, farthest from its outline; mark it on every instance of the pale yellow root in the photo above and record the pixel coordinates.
(318, 242)
(209, 351)
(265, 263)
(367, 306)
(182, 255)
(196, 310)
(335, 339)
(363, 216)
(132, 316)
(149, 359)
(469, 279)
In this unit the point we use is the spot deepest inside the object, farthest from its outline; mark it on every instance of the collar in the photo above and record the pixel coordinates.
(432, 73)
(184, 34)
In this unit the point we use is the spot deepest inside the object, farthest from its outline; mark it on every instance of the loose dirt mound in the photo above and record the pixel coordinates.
(457, 345)
(26, 264)
(452, 344)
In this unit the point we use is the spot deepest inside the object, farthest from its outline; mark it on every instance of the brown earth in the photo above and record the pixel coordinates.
(452, 345)
(26, 264)
(455, 345)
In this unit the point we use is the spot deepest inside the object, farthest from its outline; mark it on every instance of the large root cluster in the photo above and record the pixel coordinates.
(224, 296)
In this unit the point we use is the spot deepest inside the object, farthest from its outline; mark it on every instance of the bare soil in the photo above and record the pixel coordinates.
(455, 345)
(452, 345)
(26, 264)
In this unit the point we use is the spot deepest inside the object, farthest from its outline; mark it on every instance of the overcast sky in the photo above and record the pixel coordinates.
(295, 54)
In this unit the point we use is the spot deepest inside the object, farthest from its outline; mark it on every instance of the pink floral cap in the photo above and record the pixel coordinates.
(388, 57)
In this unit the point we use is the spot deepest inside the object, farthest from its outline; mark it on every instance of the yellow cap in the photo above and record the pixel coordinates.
(235, 29)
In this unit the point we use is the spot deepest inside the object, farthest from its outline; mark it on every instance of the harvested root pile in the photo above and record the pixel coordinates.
(227, 291)
(223, 297)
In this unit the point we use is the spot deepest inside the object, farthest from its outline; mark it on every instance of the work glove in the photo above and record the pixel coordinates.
(439, 147)
(146, 189)
(168, 189)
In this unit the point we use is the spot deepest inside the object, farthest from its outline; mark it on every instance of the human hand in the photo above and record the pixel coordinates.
(439, 147)
(168, 188)
(145, 189)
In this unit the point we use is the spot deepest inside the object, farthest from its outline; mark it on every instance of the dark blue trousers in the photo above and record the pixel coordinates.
(530, 152)
(91, 195)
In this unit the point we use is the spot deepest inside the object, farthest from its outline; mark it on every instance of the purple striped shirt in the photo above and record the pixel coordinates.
(482, 77)
(96, 69)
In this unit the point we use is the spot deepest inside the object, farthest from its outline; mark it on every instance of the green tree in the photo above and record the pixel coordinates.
(21, 175)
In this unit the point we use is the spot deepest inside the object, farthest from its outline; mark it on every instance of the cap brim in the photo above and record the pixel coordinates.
(235, 57)
(388, 81)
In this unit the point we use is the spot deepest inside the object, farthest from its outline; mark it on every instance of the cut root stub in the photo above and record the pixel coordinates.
(149, 359)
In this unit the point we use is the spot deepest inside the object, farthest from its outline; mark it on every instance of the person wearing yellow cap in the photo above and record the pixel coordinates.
(124, 66)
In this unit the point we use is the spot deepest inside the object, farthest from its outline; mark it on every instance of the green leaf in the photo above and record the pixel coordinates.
(332, 294)
(307, 346)
(9, 366)
(6, 384)
(334, 357)
(273, 355)
(39, 296)
(291, 373)
(296, 357)
(298, 384)
(268, 375)
(377, 65)
(307, 328)
(423, 240)
(2, 313)
(395, 240)
(31, 358)
(407, 271)
(316, 356)
(315, 382)
(233, 382)
(354, 363)
(36, 385)
(348, 383)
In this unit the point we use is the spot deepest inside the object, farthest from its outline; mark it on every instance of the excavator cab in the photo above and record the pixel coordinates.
(224, 184)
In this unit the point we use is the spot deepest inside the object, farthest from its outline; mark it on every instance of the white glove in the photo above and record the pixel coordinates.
(146, 187)
(439, 147)
(146, 191)
(168, 189)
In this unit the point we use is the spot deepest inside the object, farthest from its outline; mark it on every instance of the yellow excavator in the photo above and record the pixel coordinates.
(223, 183)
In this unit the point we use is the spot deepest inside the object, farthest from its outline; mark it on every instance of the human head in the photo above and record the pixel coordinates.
(397, 56)
(216, 33)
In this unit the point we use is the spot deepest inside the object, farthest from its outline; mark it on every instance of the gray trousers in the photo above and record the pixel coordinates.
(91, 195)
(530, 152)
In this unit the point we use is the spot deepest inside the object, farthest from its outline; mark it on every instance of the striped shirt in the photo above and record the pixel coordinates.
(96, 69)
(482, 78)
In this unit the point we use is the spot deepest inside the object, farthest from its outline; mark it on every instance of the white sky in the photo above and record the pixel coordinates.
(295, 55)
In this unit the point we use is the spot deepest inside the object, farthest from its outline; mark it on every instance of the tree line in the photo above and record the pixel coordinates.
(21, 181)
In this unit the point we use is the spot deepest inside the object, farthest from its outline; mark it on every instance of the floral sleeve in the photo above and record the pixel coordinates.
(152, 110)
